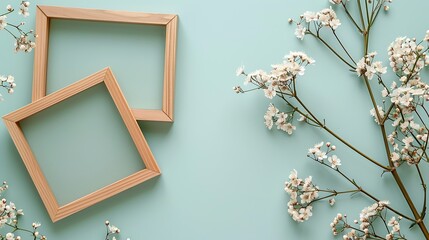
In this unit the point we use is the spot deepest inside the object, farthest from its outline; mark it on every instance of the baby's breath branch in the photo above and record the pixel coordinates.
(409, 77)
(383, 218)
(382, 128)
(13, 35)
(393, 171)
(6, 13)
(322, 125)
(360, 189)
(16, 228)
(371, 235)
(333, 194)
(317, 36)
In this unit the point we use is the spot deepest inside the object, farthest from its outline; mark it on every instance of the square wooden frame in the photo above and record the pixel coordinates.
(55, 211)
(45, 13)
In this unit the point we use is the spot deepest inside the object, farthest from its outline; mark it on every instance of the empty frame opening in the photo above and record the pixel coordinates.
(82, 144)
(135, 53)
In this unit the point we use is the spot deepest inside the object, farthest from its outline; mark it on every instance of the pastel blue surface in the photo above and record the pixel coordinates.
(222, 170)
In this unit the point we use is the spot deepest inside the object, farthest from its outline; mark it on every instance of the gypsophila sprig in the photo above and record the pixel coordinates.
(112, 232)
(401, 115)
(24, 40)
(10, 228)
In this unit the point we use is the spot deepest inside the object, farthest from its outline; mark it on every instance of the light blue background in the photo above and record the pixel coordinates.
(223, 172)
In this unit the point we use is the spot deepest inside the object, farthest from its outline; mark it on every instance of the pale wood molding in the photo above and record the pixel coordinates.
(57, 212)
(45, 13)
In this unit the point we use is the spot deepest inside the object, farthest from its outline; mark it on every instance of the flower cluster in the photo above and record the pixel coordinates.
(406, 56)
(402, 116)
(9, 217)
(24, 44)
(365, 225)
(368, 68)
(8, 83)
(279, 82)
(407, 96)
(316, 153)
(24, 41)
(281, 120)
(324, 18)
(302, 194)
(281, 77)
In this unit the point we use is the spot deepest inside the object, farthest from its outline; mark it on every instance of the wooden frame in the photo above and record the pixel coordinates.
(55, 211)
(45, 13)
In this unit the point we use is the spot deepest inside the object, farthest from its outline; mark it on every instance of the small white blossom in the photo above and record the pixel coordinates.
(3, 22)
(270, 92)
(335, 161)
(239, 71)
(310, 16)
(374, 114)
(300, 32)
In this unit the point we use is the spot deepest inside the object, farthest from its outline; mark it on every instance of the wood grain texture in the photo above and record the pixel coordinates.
(55, 211)
(130, 122)
(170, 68)
(46, 13)
(56, 97)
(33, 167)
(151, 115)
(106, 15)
(104, 193)
(40, 55)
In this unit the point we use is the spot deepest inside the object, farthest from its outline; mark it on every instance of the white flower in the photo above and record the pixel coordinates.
(23, 9)
(300, 32)
(24, 44)
(384, 92)
(113, 229)
(293, 177)
(270, 92)
(302, 118)
(239, 71)
(288, 127)
(374, 114)
(379, 67)
(331, 201)
(36, 225)
(3, 22)
(310, 16)
(427, 36)
(407, 141)
(268, 121)
(272, 111)
(335, 23)
(10, 236)
(335, 1)
(335, 161)
(321, 155)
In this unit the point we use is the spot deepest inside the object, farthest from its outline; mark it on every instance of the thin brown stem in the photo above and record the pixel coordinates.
(342, 46)
(351, 17)
(330, 48)
(322, 125)
(423, 212)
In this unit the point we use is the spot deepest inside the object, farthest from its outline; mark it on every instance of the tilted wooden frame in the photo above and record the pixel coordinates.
(45, 13)
(55, 211)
